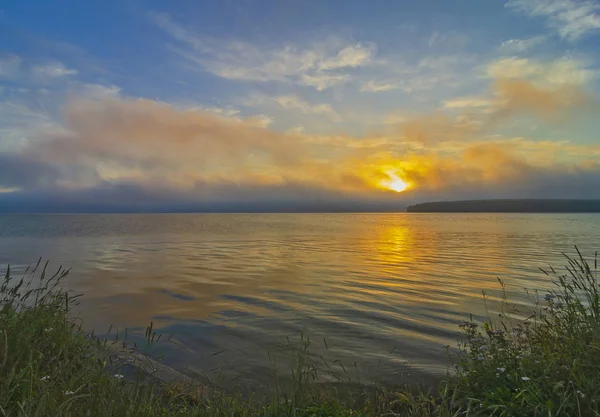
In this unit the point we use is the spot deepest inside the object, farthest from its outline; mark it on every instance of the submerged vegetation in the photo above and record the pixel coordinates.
(543, 361)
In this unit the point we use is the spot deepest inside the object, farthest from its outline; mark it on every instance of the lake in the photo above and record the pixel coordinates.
(373, 291)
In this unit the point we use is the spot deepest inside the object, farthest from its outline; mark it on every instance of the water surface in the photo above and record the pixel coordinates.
(240, 284)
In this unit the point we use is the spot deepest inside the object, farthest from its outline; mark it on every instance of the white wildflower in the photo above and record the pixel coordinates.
(524, 378)
(500, 369)
(69, 392)
(581, 394)
(118, 376)
(49, 329)
(45, 378)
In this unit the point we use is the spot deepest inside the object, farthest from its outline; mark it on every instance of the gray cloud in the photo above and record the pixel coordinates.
(22, 171)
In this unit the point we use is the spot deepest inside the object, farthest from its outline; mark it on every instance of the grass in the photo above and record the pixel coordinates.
(542, 360)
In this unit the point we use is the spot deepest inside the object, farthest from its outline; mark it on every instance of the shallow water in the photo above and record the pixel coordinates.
(382, 289)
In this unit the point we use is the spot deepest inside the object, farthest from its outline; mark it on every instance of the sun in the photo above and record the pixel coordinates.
(394, 183)
(398, 185)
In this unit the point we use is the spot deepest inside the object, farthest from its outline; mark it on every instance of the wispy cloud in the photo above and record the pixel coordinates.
(451, 39)
(467, 102)
(520, 46)
(320, 65)
(51, 71)
(98, 91)
(571, 19)
(297, 103)
(373, 86)
(9, 65)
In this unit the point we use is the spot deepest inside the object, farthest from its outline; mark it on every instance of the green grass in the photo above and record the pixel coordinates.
(542, 361)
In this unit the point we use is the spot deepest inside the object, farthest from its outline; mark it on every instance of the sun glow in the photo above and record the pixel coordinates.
(398, 185)
(395, 183)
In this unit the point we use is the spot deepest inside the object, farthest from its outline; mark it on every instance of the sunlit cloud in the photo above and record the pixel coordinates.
(467, 102)
(208, 155)
(557, 72)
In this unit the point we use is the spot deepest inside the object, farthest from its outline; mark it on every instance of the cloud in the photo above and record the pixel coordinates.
(9, 66)
(141, 134)
(550, 104)
(110, 146)
(297, 103)
(468, 102)
(12, 67)
(558, 72)
(322, 81)
(373, 86)
(520, 46)
(447, 40)
(352, 56)
(20, 171)
(98, 91)
(571, 19)
(51, 71)
(259, 120)
(228, 112)
(321, 65)
(524, 97)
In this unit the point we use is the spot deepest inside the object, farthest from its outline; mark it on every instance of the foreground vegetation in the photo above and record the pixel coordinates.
(540, 362)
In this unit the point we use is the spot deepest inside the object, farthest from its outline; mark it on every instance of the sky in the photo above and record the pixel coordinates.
(283, 105)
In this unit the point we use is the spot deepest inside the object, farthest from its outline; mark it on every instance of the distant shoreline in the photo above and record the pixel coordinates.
(508, 206)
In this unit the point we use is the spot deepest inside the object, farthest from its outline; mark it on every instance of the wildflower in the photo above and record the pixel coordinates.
(500, 369)
(69, 392)
(49, 329)
(524, 378)
(45, 378)
(118, 376)
(581, 394)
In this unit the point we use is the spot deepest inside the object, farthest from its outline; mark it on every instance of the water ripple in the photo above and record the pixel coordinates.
(241, 284)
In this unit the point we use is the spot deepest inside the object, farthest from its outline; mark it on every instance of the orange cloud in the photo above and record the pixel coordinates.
(154, 144)
(521, 96)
